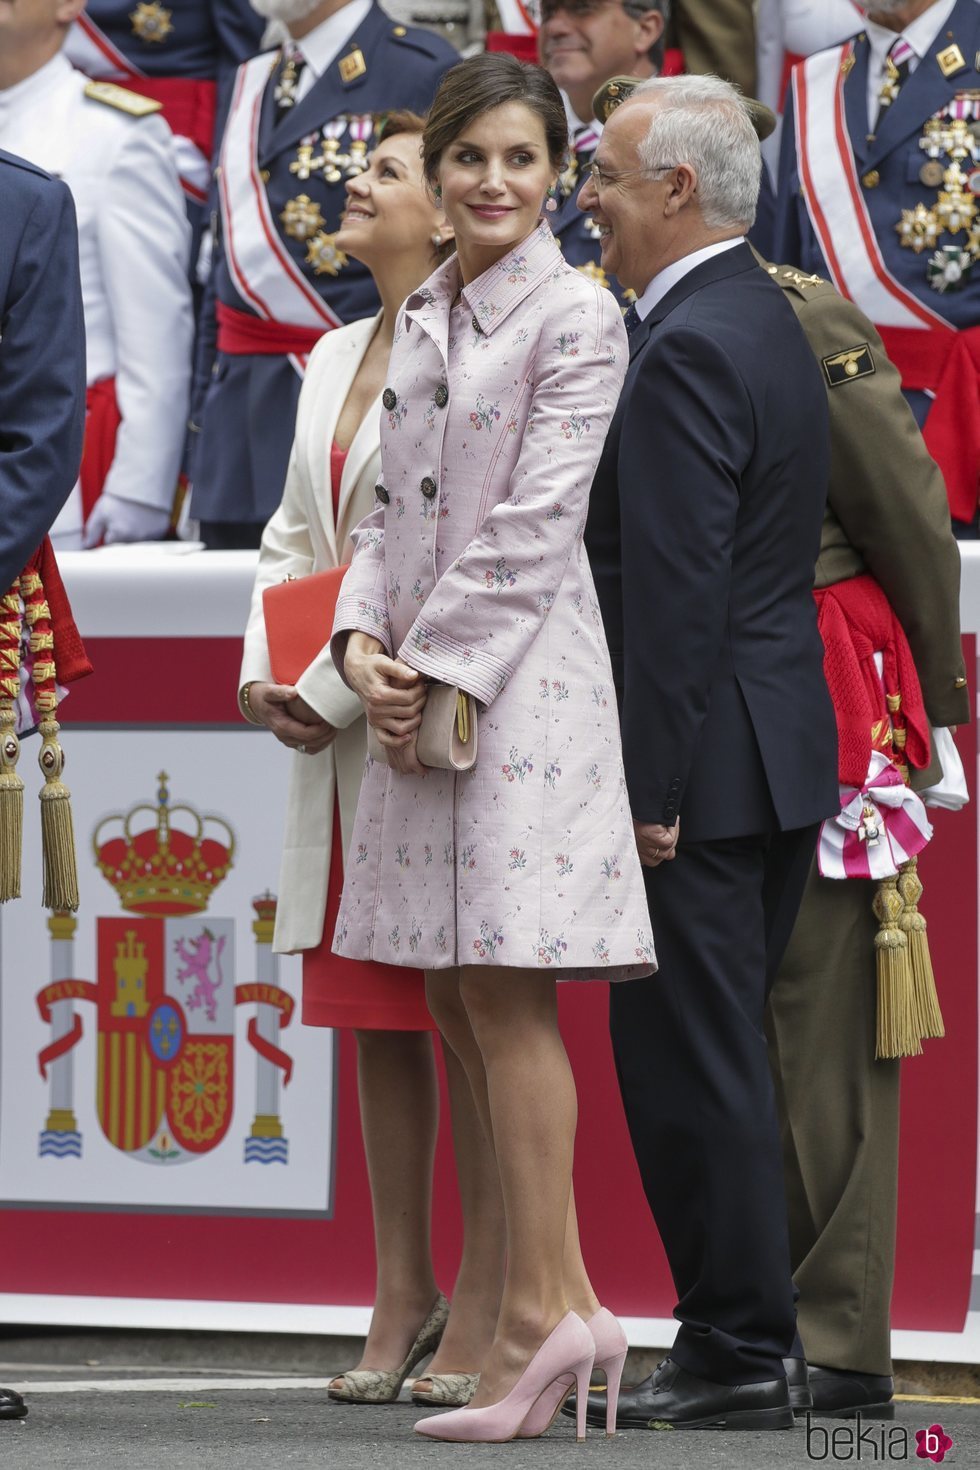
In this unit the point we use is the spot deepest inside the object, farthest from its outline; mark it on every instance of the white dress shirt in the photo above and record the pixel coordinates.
(677, 270)
(920, 34)
(326, 41)
(134, 242)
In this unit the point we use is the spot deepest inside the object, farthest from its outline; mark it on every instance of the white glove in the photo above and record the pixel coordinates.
(114, 519)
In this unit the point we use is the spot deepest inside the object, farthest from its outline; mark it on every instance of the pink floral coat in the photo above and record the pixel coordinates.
(472, 569)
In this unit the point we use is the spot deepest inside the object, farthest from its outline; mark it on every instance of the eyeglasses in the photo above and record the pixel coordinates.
(602, 179)
(582, 9)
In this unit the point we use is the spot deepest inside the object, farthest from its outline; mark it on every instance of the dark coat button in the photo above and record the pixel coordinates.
(428, 487)
(382, 494)
(441, 396)
(389, 398)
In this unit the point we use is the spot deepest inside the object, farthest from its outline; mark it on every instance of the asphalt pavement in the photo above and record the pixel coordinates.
(157, 1417)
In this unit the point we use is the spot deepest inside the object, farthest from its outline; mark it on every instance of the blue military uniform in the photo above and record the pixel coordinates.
(244, 402)
(197, 39)
(42, 358)
(575, 232)
(918, 175)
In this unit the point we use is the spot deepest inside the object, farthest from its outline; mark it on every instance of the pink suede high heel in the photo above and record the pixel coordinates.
(568, 1352)
(611, 1348)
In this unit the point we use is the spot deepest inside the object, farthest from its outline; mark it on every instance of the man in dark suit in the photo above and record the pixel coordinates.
(42, 383)
(704, 529)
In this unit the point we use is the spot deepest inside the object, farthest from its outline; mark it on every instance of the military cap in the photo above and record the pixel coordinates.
(617, 90)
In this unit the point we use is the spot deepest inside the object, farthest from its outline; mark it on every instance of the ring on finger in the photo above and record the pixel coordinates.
(301, 749)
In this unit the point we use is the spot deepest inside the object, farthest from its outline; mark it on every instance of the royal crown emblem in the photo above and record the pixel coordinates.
(165, 997)
(163, 868)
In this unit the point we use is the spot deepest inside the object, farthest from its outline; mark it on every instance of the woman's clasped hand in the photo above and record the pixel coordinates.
(393, 695)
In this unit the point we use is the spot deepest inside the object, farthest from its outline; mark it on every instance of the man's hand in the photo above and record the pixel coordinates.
(292, 721)
(655, 843)
(116, 520)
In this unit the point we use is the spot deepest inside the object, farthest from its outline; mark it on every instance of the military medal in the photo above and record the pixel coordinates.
(150, 21)
(949, 269)
(301, 217)
(361, 129)
(918, 229)
(592, 229)
(304, 163)
(951, 61)
(931, 173)
(324, 256)
(285, 88)
(891, 85)
(333, 160)
(594, 273)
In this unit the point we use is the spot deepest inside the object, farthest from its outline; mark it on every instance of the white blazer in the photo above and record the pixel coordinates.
(302, 537)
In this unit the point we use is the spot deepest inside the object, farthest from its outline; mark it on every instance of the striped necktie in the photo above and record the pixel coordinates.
(897, 67)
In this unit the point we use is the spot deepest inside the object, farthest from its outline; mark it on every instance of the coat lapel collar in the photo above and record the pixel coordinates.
(728, 263)
(329, 96)
(494, 295)
(927, 91)
(365, 441)
(856, 100)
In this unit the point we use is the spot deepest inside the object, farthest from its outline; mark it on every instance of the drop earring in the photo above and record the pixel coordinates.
(438, 193)
(551, 203)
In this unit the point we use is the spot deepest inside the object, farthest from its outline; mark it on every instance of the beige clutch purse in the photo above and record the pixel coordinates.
(448, 735)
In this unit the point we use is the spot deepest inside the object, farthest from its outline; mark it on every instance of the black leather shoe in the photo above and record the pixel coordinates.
(12, 1406)
(840, 1395)
(674, 1399)
(798, 1383)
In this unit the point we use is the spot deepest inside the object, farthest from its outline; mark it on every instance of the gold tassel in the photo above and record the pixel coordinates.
(57, 827)
(929, 1016)
(897, 1035)
(11, 809)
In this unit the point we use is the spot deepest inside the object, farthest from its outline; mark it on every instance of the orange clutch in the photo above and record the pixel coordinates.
(299, 620)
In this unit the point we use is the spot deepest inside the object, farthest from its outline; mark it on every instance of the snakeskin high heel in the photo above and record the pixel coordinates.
(382, 1386)
(447, 1391)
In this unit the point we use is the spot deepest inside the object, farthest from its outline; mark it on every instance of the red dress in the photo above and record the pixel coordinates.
(357, 993)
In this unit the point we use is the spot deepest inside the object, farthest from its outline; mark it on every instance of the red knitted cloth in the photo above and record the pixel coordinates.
(856, 622)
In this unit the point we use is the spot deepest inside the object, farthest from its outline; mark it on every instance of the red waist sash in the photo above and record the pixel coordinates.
(102, 420)
(189, 106)
(948, 365)
(242, 335)
(856, 621)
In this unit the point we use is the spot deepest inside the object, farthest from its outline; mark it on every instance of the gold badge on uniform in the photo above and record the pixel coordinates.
(847, 65)
(302, 218)
(844, 367)
(801, 281)
(919, 228)
(951, 61)
(324, 256)
(150, 21)
(352, 65)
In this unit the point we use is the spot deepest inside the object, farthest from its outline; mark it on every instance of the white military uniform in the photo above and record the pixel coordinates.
(134, 243)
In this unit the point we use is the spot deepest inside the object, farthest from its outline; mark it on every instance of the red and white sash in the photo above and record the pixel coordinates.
(89, 49)
(518, 17)
(834, 200)
(264, 273)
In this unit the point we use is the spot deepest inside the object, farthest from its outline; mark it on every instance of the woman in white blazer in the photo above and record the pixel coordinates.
(392, 225)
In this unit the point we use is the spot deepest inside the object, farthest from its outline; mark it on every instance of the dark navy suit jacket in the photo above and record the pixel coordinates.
(42, 358)
(703, 530)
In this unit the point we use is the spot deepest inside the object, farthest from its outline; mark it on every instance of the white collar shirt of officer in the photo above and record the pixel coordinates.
(919, 33)
(326, 41)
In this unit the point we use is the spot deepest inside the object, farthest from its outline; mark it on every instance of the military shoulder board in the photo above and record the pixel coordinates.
(121, 99)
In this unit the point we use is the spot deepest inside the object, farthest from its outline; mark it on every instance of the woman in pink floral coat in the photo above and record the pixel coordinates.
(504, 374)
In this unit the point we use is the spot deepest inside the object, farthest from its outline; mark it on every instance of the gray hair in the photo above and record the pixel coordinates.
(662, 7)
(703, 121)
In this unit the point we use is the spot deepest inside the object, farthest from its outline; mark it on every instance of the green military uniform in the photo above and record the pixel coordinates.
(717, 36)
(887, 514)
